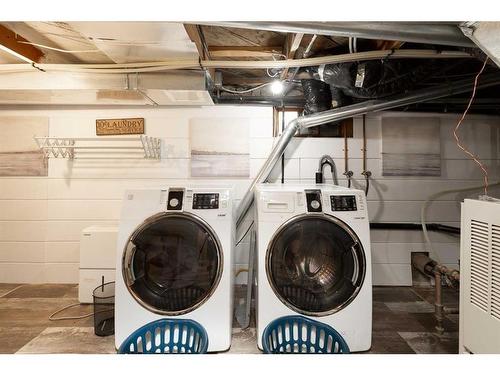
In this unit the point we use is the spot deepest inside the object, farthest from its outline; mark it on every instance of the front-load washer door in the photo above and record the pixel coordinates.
(172, 263)
(315, 264)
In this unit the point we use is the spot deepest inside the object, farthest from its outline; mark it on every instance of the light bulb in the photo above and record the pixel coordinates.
(277, 87)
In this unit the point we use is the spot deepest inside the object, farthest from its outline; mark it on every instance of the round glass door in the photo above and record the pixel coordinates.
(315, 264)
(172, 263)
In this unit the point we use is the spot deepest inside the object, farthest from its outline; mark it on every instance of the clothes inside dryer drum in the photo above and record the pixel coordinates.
(175, 265)
(315, 264)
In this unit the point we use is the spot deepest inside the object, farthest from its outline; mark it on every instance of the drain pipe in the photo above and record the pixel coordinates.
(341, 113)
(326, 160)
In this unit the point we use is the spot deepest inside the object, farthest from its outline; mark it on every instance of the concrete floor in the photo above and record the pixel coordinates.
(403, 322)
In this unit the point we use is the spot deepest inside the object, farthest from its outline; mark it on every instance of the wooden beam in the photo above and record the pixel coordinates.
(193, 32)
(291, 45)
(243, 51)
(388, 44)
(10, 40)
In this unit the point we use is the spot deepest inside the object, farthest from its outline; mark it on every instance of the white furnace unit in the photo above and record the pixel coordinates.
(480, 277)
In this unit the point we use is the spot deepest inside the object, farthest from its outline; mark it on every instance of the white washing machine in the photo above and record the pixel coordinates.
(174, 260)
(314, 258)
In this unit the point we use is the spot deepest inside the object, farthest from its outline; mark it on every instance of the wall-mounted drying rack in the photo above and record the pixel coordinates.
(149, 147)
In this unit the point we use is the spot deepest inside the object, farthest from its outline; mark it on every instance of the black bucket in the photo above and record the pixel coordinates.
(104, 309)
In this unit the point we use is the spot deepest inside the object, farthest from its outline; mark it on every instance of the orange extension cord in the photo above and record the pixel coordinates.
(460, 145)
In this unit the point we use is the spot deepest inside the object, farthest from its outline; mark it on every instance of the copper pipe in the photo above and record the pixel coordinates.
(364, 143)
(344, 130)
(365, 172)
(438, 303)
(430, 267)
(347, 172)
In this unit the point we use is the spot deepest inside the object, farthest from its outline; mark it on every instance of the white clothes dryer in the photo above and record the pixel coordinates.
(314, 258)
(174, 260)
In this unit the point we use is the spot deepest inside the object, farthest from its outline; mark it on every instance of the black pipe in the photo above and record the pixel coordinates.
(411, 226)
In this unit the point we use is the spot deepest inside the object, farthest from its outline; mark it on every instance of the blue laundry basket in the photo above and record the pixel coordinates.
(300, 335)
(172, 336)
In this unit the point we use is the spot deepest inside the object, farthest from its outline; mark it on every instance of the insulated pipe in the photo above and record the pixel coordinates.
(341, 113)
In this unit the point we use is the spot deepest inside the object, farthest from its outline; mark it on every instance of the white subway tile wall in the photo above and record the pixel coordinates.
(41, 217)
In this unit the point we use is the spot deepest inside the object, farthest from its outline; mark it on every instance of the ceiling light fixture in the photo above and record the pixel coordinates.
(277, 87)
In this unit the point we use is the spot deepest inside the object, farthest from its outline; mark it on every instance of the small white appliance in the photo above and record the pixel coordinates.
(174, 260)
(314, 258)
(479, 330)
(97, 259)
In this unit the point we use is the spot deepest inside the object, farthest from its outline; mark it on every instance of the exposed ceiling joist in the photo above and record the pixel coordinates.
(25, 52)
(243, 51)
(292, 44)
(195, 34)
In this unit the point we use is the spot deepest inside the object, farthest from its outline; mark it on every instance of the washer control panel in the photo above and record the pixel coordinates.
(313, 198)
(205, 201)
(343, 202)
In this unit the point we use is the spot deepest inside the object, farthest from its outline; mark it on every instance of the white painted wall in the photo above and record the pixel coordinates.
(41, 218)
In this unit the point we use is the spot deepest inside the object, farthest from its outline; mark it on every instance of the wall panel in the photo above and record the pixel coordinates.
(41, 218)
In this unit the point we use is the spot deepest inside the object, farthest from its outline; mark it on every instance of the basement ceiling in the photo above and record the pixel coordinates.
(217, 50)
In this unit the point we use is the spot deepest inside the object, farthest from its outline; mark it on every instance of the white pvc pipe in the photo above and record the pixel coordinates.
(252, 64)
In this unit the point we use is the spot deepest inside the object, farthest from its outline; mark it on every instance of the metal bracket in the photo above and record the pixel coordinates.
(68, 147)
(468, 28)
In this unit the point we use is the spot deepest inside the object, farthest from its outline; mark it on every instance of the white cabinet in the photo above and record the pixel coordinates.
(97, 259)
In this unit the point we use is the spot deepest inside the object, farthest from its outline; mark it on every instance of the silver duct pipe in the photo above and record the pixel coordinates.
(342, 113)
(447, 34)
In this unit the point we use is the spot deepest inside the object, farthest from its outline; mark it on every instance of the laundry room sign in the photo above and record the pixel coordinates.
(119, 126)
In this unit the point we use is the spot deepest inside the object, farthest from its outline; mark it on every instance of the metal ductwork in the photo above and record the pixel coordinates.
(342, 113)
(166, 88)
(486, 35)
(447, 34)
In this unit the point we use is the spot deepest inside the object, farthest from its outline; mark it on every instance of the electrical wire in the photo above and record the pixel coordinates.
(271, 75)
(244, 235)
(245, 91)
(52, 319)
(277, 72)
(241, 270)
(455, 133)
